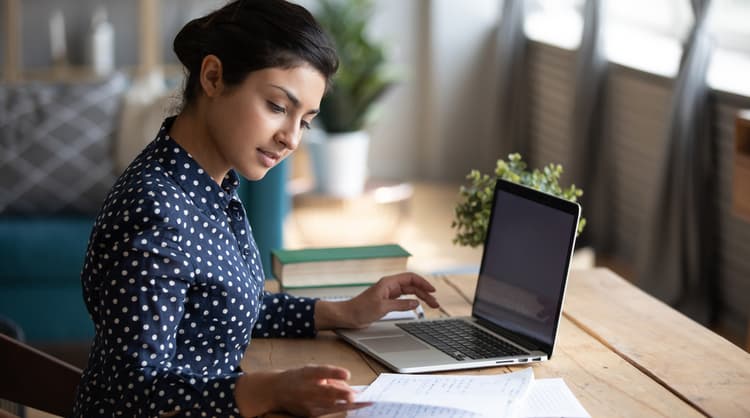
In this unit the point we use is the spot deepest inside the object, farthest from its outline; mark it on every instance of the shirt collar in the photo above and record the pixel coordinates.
(192, 178)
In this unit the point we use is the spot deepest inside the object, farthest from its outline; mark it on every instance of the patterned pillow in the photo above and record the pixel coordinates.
(56, 145)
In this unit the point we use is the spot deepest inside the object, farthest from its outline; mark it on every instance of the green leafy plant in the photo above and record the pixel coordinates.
(363, 76)
(472, 214)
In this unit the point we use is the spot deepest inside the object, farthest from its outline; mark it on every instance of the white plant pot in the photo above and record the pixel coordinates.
(340, 162)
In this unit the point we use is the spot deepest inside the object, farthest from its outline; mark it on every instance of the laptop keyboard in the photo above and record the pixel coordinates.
(459, 339)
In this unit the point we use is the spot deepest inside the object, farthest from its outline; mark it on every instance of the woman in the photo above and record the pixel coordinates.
(173, 279)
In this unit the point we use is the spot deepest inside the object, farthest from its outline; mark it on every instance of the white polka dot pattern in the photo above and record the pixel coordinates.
(174, 284)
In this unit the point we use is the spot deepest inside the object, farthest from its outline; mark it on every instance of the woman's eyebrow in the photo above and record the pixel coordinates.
(295, 101)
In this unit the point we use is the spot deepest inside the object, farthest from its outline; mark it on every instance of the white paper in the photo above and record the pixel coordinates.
(410, 314)
(403, 410)
(446, 396)
(552, 398)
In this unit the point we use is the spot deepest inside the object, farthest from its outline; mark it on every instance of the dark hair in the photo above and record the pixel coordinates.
(250, 35)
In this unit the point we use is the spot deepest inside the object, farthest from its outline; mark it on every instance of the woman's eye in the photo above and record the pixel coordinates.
(276, 108)
(305, 124)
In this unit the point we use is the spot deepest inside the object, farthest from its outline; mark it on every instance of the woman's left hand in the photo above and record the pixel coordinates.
(375, 302)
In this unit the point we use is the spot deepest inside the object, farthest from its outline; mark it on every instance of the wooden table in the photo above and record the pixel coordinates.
(621, 352)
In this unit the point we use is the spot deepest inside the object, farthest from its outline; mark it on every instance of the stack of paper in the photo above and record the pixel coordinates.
(487, 396)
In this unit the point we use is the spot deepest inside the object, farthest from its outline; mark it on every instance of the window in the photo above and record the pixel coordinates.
(555, 22)
(730, 64)
(730, 24)
(647, 34)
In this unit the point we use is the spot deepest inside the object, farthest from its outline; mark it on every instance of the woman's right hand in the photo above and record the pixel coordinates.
(305, 391)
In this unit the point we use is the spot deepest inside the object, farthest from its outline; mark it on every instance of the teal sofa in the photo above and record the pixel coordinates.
(41, 259)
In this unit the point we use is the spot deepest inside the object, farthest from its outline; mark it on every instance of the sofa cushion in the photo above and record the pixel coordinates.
(48, 315)
(39, 252)
(56, 145)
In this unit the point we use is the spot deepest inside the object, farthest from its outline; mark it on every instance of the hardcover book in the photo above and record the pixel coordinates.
(337, 268)
(329, 292)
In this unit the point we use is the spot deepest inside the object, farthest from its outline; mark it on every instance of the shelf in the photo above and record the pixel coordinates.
(149, 47)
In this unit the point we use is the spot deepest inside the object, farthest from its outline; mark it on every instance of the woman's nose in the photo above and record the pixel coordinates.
(289, 136)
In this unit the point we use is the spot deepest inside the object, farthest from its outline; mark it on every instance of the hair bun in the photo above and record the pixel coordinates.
(189, 42)
(248, 36)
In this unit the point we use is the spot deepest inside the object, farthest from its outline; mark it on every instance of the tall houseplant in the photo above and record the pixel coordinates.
(340, 156)
(472, 213)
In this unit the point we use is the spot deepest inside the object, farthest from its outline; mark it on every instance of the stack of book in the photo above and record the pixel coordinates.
(340, 272)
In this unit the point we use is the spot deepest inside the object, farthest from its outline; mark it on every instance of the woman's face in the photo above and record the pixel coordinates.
(260, 122)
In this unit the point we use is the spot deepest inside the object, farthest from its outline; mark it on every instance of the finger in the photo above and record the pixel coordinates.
(413, 284)
(413, 279)
(427, 297)
(397, 281)
(401, 304)
(327, 372)
(348, 392)
(422, 283)
(331, 394)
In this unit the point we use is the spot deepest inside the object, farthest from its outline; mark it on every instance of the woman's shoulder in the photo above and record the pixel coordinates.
(149, 196)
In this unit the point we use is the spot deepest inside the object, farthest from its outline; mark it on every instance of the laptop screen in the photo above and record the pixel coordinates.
(526, 259)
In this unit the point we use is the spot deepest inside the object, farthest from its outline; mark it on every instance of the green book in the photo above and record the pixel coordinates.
(308, 255)
(336, 291)
(362, 265)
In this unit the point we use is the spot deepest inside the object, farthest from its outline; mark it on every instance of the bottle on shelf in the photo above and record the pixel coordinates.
(58, 48)
(102, 45)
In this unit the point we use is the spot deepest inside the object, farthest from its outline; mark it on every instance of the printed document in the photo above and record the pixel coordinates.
(490, 396)
(545, 398)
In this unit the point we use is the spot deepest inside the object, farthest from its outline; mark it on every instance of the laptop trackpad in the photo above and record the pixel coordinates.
(391, 344)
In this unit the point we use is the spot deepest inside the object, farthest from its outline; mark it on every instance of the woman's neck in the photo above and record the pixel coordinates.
(191, 132)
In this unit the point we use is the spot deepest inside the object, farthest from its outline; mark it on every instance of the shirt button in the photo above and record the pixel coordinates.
(245, 252)
(236, 210)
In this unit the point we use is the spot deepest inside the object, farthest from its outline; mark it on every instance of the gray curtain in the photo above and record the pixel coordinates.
(677, 260)
(588, 112)
(513, 83)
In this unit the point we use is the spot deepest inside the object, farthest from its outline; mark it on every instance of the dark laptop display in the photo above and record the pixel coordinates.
(524, 267)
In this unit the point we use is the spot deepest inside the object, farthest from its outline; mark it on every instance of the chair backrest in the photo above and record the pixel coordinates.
(36, 379)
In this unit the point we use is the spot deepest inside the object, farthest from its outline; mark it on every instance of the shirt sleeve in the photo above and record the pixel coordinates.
(282, 315)
(144, 298)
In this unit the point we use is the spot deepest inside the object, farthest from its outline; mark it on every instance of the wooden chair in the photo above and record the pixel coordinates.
(35, 379)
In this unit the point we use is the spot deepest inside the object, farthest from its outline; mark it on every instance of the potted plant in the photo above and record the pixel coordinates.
(472, 213)
(339, 157)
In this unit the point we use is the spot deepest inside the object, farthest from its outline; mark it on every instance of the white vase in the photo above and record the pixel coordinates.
(340, 162)
(101, 43)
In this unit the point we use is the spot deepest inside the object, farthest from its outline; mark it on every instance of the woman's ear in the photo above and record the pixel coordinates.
(211, 79)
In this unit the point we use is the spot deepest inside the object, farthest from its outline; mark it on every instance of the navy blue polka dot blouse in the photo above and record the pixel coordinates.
(174, 284)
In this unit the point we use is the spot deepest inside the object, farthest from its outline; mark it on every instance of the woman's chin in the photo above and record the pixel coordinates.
(253, 173)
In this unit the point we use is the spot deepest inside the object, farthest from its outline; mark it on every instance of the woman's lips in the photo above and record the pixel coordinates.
(267, 158)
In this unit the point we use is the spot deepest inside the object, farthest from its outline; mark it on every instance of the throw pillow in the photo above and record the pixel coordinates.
(56, 145)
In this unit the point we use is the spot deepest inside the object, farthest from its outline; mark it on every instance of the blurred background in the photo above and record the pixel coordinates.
(640, 102)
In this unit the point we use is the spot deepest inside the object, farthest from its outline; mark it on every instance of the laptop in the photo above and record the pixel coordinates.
(518, 300)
